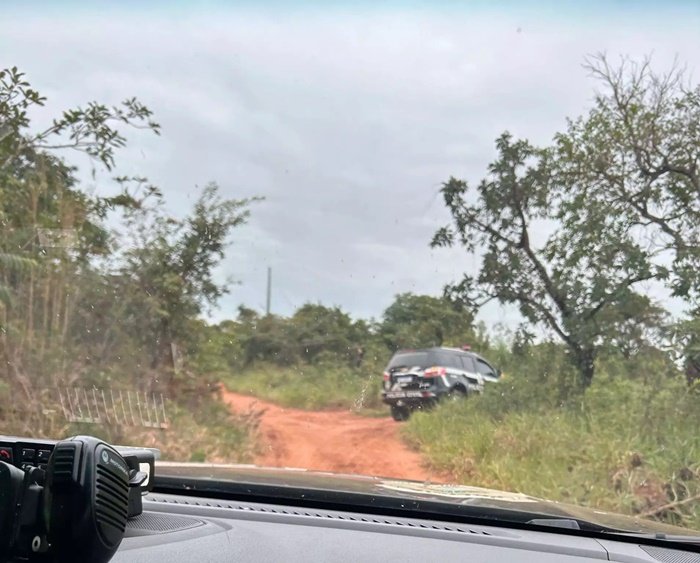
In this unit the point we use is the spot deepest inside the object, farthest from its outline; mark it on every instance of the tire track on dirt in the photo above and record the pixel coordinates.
(337, 441)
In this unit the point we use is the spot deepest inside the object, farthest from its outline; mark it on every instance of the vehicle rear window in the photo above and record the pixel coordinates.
(447, 360)
(410, 359)
(468, 364)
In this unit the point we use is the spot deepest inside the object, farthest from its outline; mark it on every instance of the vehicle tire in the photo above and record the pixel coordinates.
(400, 414)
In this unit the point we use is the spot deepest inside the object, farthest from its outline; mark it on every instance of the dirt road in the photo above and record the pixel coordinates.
(338, 441)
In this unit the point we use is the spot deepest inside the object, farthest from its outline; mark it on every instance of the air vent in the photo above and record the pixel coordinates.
(149, 523)
(345, 517)
(671, 555)
(111, 497)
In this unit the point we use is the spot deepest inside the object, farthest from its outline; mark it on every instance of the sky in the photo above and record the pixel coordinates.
(346, 117)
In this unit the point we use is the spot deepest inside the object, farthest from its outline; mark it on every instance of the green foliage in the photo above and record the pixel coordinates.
(628, 445)
(171, 267)
(93, 129)
(325, 385)
(90, 308)
(637, 150)
(420, 321)
(215, 349)
(579, 280)
(12, 263)
(312, 331)
(320, 329)
(537, 378)
(686, 336)
(269, 339)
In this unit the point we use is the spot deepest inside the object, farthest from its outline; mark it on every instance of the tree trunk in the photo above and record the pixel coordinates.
(46, 317)
(30, 299)
(584, 362)
(29, 335)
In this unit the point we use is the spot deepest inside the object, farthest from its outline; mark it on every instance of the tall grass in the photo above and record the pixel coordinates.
(202, 429)
(312, 387)
(630, 444)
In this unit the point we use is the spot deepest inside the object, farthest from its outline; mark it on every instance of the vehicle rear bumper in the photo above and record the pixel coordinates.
(409, 398)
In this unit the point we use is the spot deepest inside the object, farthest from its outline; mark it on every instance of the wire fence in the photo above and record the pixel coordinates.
(110, 406)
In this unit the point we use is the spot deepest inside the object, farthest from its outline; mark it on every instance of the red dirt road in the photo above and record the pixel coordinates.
(337, 441)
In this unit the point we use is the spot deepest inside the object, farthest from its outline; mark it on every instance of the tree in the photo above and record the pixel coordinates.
(639, 326)
(268, 338)
(50, 228)
(567, 281)
(414, 321)
(329, 330)
(686, 336)
(639, 148)
(171, 265)
(93, 130)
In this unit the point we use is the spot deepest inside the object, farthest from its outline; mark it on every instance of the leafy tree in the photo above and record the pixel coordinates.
(50, 229)
(327, 329)
(685, 336)
(247, 315)
(565, 260)
(314, 332)
(414, 321)
(639, 325)
(639, 150)
(93, 129)
(172, 265)
(269, 338)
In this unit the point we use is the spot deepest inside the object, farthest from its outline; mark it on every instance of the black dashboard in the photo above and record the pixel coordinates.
(250, 514)
(177, 528)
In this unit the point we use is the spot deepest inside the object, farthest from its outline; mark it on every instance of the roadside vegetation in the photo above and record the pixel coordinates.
(87, 309)
(628, 444)
(320, 358)
(603, 410)
(599, 403)
(313, 387)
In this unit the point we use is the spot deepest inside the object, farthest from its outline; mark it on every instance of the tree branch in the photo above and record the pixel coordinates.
(670, 506)
(555, 295)
(551, 320)
(613, 295)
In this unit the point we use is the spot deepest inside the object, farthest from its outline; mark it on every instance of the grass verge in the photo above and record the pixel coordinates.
(626, 446)
(312, 387)
(203, 430)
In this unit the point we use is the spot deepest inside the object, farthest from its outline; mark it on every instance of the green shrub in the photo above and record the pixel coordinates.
(630, 444)
(324, 385)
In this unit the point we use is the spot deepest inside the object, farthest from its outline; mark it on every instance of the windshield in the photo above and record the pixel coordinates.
(417, 359)
(225, 227)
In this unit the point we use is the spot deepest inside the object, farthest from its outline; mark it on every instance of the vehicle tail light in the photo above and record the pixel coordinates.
(386, 376)
(434, 372)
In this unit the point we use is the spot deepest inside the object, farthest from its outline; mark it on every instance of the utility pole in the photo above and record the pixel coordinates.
(269, 290)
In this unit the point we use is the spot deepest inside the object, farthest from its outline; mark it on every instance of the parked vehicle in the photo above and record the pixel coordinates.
(417, 379)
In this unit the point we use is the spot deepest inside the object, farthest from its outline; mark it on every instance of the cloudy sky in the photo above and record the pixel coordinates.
(345, 116)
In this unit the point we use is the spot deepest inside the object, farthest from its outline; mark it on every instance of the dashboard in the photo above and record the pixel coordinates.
(177, 528)
(177, 525)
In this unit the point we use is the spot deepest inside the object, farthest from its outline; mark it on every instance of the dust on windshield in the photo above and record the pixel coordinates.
(219, 225)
